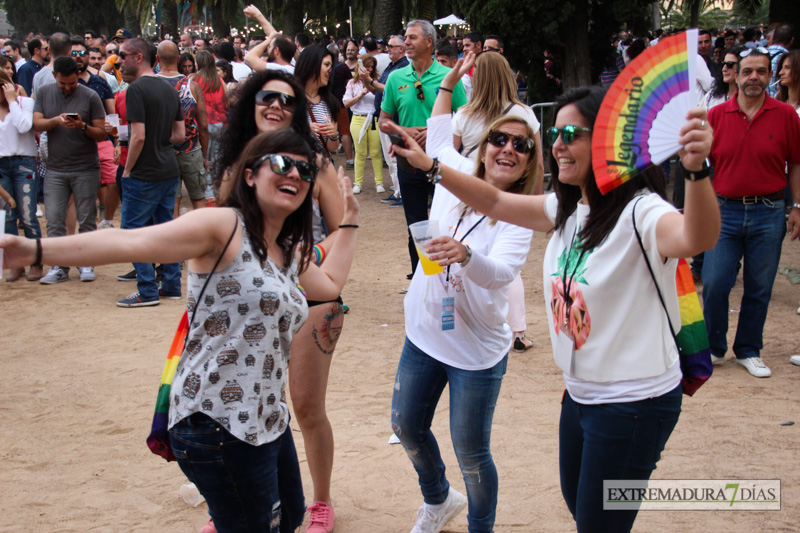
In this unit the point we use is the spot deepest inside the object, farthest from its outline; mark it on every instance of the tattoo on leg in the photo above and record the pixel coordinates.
(326, 336)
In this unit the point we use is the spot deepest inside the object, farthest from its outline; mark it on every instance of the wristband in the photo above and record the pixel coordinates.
(332, 138)
(38, 260)
(696, 175)
(446, 89)
(355, 226)
(372, 83)
(796, 205)
(469, 256)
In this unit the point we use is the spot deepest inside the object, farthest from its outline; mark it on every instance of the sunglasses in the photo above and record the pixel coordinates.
(520, 143)
(266, 97)
(281, 164)
(420, 93)
(568, 133)
(122, 55)
(729, 64)
(76, 53)
(759, 49)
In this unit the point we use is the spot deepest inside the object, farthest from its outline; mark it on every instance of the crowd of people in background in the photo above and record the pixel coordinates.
(92, 124)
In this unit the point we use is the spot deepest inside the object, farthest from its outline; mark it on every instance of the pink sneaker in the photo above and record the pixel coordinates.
(320, 518)
(209, 528)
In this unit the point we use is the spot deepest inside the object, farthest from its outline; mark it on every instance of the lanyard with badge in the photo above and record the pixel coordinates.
(565, 344)
(448, 302)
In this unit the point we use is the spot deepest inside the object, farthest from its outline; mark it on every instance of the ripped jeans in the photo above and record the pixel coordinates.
(473, 395)
(18, 177)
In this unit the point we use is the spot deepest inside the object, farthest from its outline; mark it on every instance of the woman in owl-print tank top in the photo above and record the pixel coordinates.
(228, 410)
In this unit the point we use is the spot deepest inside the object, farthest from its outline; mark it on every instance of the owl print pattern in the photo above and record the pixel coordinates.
(233, 371)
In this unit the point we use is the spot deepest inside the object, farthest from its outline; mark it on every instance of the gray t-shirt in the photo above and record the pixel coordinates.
(70, 150)
(43, 77)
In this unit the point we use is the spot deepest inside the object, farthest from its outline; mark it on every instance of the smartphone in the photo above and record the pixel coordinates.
(360, 64)
(402, 162)
(72, 116)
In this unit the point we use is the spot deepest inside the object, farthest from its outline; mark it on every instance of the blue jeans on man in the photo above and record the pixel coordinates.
(473, 396)
(147, 201)
(754, 233)
(415, 190)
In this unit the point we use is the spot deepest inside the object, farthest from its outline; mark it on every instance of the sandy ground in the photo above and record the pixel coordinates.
(81, 377)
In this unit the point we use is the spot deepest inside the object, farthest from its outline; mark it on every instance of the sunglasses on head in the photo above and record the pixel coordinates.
(265, 97)
(281, 164)
(76, 53)
(420, 93)
(520, 143)
(759, 49)
(729, 64)
(568, 133)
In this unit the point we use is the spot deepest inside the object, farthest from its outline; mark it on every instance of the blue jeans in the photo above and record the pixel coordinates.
(240, 482)
(610, 441)
(145, 201)
(414, 189)
(18, 177)
(473, 397)
(754, 233)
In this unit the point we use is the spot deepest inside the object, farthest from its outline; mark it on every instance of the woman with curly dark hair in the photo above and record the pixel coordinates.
(272, 100)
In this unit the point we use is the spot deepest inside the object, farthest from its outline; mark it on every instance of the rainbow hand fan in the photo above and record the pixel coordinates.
(641, 116)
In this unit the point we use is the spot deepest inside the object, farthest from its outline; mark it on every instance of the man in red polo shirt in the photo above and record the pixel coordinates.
(755, 138)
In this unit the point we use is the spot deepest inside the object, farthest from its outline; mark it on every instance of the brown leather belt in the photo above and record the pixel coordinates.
(748, 200)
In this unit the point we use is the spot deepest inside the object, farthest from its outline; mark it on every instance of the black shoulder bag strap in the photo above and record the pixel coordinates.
(203, 290)
(652, 275)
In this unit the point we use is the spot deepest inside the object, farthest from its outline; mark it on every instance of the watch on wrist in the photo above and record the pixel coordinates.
(434, 173)
(696, 175)
(83, 129)
(796, 205)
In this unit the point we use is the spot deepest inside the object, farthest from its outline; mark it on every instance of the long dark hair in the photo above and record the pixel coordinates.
(307, 68)
(297, 228)
(794, 76)
(605, 209)
(3, 61)
(242, 123)
(720, 88)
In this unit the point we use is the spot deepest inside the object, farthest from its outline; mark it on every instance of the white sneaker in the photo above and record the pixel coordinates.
(795, 360)
(55, 275)
(756, 367)
(433, 518)
(716, 360)
(356, 189)
(87, 273)
(105, 224)
(39, 212)
(379, 189)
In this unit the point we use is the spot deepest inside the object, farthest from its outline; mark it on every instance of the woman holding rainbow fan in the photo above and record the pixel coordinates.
(610, 334)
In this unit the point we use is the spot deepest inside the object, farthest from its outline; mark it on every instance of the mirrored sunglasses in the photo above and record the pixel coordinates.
(568, 133)
(281, 164)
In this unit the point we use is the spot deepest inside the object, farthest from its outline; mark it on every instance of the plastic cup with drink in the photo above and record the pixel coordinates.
(113, 119)
(422, 233)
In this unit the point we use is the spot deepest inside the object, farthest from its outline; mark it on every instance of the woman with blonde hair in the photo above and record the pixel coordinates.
(494, 94)
(364, 125)
(456, 328)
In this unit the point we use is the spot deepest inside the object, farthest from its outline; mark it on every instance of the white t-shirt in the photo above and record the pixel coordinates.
(241, 71)
(383, 62)
(471, 130)
(704, 80)
(274, 66)
(624, 350)
(481, 337)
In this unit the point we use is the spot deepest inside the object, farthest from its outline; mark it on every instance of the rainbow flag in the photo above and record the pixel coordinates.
(692, 338)
(158, 441)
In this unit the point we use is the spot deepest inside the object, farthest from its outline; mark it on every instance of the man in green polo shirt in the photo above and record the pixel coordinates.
(410, 93)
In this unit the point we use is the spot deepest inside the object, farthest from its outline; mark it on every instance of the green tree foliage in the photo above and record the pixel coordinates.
(578, 32)
(73, 16)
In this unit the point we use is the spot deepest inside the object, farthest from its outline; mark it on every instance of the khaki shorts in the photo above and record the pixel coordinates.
(193, 174)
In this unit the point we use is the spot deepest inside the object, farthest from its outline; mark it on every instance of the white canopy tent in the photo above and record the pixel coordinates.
(450, 20)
